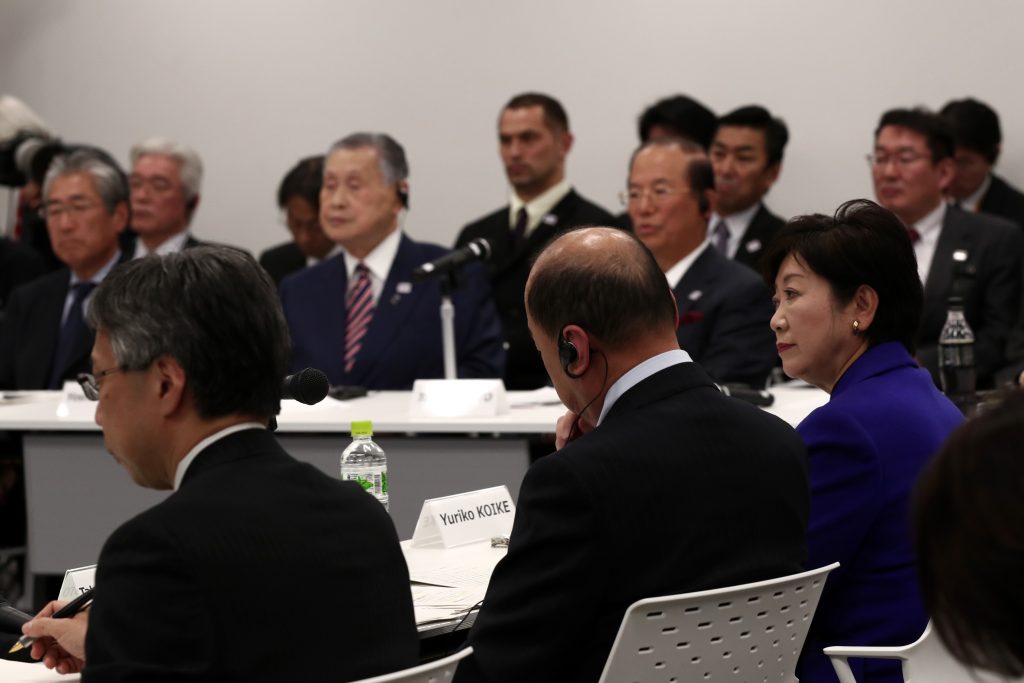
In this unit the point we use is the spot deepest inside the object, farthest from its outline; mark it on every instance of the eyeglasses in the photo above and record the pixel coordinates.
(156, 184)
(900, 159)
(55, 210)
(657, 195)
(90, 382)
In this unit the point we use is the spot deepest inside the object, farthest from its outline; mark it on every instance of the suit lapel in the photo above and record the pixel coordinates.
(550, 225)
(397, 301)
(695, 281)
(44, 332)
(955, 235)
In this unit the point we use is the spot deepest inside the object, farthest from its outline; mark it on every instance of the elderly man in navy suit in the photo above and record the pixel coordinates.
(358, 316)
(724, 307)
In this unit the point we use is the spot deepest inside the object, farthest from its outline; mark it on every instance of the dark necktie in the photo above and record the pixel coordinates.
(359, 313)
(519, 229)
(73, 335)
(721, 237)
(915, 236)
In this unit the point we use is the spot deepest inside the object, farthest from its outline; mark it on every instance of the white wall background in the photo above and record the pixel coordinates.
(254, 85)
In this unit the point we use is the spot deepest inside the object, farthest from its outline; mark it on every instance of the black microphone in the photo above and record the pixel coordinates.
(11, 619)
(309, 386)
(478, 249)
(757, 397)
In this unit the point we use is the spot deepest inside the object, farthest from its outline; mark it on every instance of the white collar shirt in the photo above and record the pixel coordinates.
(639, 373)
(929, 229)
(97, 278)
(378, 262)
(737, 225)
(676, 272)
(539, 207)
(168, 246)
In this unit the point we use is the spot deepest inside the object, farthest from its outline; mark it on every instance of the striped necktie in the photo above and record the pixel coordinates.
(359, 313)
(721, 237)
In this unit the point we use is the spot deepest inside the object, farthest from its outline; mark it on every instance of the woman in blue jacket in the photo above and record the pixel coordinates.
(848, 306)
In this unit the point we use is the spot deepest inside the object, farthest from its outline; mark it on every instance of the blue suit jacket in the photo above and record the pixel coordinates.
(867, 446)
(403, 343)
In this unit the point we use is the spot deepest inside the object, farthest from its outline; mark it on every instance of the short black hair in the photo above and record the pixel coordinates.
(617, 303)
(862, 244)
(975, 126)
(554, 114)
(968, 514)
(683, 115)
(303, 180)
(776, 135)
(211, 308)
(935, 130)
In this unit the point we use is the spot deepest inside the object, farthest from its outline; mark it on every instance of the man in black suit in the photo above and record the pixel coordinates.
(534, 140)
(670, 486)
(228, 577)
(978, 139)
(746, 154)
(43, 338)
(298, 197)
(724, 307)
(165, 181)
(975, 255)
(18, 264)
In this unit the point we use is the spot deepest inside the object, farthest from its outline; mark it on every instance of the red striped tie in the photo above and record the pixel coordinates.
(359, 307)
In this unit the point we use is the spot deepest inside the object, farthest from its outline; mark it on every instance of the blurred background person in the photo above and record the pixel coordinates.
(979, 140)
(849, 303)
(298, 197)
(969, 537)
(165, 181)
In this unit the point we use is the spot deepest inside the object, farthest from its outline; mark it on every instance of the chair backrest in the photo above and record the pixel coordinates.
(751, 632)
(434, 672)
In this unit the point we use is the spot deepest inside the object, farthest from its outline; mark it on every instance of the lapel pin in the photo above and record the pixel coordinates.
(403, 287)
(694, 295)
(550, 219)
(753, 245)
(960, 255)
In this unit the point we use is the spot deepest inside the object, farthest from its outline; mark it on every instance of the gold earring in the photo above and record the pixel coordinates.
(856, 327)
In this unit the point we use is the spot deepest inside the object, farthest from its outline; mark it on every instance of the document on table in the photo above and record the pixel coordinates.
(449, 582)
(17, 672)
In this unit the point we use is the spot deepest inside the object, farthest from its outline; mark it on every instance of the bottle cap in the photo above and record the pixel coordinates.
(362, 428)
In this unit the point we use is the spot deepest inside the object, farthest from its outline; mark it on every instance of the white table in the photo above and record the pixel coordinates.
(77, 495)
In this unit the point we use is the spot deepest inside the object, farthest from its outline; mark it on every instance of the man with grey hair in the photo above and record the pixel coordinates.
(358, 316)
(165, 181)
(43, 337)
(187, 366)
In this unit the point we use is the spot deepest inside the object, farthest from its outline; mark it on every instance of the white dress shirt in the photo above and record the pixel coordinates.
(540, 207)
(737, 225)
(973, 201)
(377, 261)
(168, 246)
(928, 228)
(676, 272)
(639, 373)
(97, 278)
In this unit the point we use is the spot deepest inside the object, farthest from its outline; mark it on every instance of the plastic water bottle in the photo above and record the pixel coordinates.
(364, 462)
(956, 358)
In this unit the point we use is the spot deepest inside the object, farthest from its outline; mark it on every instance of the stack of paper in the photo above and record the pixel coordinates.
(447, 583)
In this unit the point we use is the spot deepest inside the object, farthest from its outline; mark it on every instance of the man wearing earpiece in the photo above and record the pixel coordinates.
(664, 486)
(358, 316)
(724, 307)
(164, 184)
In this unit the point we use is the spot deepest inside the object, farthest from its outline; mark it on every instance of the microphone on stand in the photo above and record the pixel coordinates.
(309, 386)
(478, 249)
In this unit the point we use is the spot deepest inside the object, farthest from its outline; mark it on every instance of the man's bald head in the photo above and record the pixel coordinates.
(603, 280)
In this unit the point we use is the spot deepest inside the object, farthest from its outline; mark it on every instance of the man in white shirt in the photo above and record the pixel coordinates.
(165, 182)
(746, 153)
(191, 349)
(724, 307)
(975, 256)
(534, 141)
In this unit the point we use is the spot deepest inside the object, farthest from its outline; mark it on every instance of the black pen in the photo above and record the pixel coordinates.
(66, 612)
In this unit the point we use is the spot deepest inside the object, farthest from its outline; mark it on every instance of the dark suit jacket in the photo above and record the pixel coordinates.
(18, 264)
(724, 315)
(867, 446)
(995, 248)
(403, 343)
(759, 233)
(233, 575)
(1003, 199)
(679, 489)
(29, 331)
(282, 260)
(510, 266)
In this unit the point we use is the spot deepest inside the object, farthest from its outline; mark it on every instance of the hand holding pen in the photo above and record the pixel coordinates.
(57, 634)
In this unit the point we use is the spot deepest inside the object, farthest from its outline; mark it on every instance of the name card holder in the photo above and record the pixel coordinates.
(464, 518)
(77, 581)
(458, 398)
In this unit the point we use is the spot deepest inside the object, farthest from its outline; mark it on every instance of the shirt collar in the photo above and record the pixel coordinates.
(638, 374)
(379, 260)
(170, 245)
(540, 206)
(101, 273)
(738, 222)
(972, 202)
(676, 272)
(931, 223)
(184, 463)
(313, 260)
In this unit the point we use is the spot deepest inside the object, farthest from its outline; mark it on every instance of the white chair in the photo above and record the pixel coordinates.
(751, 632)
(924, 661)
(434, 672)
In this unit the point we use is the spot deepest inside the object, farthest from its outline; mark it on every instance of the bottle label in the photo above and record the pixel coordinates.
(956, 355)
(373, 480)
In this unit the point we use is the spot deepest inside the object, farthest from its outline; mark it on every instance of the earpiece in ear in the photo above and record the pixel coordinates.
(567, 355)
(703, 204)
(403, 195)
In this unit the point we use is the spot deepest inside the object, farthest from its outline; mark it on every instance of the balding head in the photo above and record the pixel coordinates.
(603, 280)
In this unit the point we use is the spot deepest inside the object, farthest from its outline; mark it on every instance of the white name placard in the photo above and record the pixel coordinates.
(77, 581)
(464, 518)
(458, 398)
